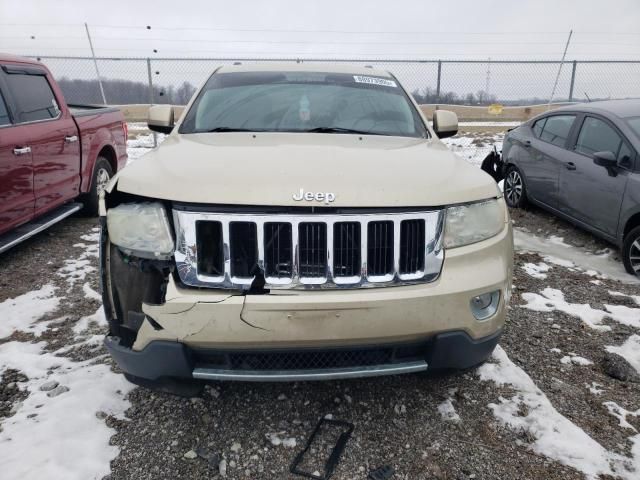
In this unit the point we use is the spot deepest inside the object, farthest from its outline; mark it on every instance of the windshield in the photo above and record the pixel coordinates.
(303, 102)
(634, 123)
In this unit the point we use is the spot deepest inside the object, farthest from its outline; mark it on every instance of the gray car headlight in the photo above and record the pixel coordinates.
(474, 222)
(141, 229)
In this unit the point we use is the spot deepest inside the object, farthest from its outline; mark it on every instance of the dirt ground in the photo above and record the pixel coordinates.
(399, 421)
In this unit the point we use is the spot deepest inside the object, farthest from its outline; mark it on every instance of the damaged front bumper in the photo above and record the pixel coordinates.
(163, 330)
(163, 359)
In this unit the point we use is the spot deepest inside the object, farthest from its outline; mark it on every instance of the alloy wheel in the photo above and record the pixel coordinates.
(102, 178)
(513, 187)
(634, 256)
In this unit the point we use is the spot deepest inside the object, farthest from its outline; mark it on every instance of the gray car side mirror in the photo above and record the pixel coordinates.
(605, 159)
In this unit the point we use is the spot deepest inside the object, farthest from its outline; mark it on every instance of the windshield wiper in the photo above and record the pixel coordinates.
(339, 130)
(230, 129)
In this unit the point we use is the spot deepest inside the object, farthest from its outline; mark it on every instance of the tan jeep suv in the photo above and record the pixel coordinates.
(302, 222)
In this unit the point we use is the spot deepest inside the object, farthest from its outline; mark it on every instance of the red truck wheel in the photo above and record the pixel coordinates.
(101, 176)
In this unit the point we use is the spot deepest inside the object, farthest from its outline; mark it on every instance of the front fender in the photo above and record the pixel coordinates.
(93, 143)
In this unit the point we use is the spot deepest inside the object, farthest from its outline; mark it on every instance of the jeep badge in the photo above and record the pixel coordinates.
(326, 197)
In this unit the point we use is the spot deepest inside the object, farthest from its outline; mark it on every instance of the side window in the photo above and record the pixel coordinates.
(4, 113)
(625, 156)
(556, 129)
(33, 96)
(537, 127)
(597, 136)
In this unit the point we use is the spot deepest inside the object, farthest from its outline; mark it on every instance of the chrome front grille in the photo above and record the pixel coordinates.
(232, 250)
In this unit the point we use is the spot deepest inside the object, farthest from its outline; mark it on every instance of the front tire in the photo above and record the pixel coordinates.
(631, 251)
(515, 193)
(102, 173)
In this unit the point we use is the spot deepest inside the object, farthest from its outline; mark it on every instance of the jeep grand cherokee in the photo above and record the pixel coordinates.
(302, 222)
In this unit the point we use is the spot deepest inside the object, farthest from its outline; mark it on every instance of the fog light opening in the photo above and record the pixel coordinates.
(485, 305)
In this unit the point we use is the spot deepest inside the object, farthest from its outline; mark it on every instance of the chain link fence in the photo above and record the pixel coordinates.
(462, 82)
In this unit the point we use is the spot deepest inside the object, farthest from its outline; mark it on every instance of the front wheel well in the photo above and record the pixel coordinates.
(109, 154)
(632, 223)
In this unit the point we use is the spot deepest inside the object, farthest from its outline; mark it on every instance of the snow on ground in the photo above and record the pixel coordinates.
(595, 388)
(137, 126)
(137, 147)
(629, 350)
(635, 298)
(91, 293)
(77, 268)
(536, 271)
(58, 431)
(556, 437)
(447, 410)
(562, 254)
(621, 414)
(561, 263)
(97, 318)
(574, 359)
(554, 239)
(474, 150)
(552, 299)
(20, 313)
(625, 315)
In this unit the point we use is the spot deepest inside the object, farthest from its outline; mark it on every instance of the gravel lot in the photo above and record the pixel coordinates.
(459, 426)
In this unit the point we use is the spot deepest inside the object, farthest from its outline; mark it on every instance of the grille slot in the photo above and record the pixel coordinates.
(312, 241)
(412, 246)
(346, 249)
(278, 253)
(380, 248)
(244, 249)
(308, 250)
(210, 248)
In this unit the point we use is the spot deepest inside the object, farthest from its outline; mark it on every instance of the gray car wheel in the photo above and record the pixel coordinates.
(631, 252)
(514, 189)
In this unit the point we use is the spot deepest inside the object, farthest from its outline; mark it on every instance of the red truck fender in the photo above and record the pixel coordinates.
(100, 143)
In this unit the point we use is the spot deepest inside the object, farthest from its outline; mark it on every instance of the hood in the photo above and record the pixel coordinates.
(270, 169)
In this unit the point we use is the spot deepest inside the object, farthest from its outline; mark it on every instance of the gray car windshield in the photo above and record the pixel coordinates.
(303, 102)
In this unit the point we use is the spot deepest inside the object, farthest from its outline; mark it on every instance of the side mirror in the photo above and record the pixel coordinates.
(605, 159)
(445, 123)
(161, 118)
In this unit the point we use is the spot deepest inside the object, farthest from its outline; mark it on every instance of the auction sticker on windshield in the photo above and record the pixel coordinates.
(375, 81)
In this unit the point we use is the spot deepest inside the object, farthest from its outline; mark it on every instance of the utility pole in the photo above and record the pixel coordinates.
(95, 64)
(555, 85)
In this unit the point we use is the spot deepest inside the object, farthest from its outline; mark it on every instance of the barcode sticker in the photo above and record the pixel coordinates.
(375, 81)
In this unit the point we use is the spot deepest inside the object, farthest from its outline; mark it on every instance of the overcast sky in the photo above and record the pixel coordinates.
(329, 28)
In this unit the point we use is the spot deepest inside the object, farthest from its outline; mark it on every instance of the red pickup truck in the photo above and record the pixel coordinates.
(54, 158)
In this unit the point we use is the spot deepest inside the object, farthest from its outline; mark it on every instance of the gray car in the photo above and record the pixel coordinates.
(581, 163)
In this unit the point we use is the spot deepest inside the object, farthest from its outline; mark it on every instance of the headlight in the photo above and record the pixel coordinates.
(141, 229)
(473, 223)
